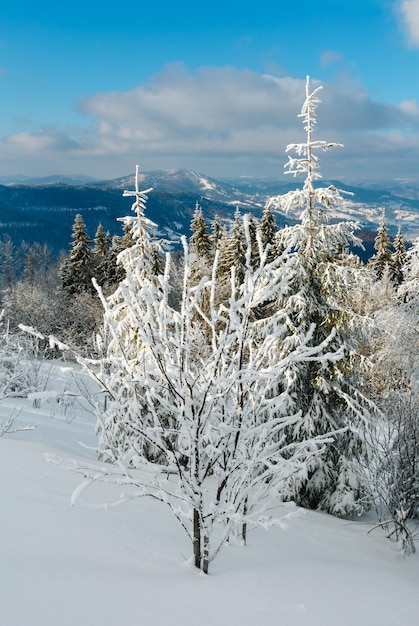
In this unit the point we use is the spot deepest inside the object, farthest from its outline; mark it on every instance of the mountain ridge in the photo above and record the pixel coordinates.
(45, 211)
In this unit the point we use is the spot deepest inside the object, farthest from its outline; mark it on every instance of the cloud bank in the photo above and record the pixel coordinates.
(226, 122)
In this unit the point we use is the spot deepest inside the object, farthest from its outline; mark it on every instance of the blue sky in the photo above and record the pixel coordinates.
(94, 88)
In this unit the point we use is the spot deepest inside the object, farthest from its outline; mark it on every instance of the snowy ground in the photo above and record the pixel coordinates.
(126, 566)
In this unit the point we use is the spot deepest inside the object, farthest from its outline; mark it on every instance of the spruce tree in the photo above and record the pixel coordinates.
(232, 249)
(124, 311)
(78, 268)
(200, 241)
(398, 258)
(382, 258)
(328, 395)
(409, 289)
(269, 230)
(252, 227)
(101, 254)
(8, 262)
(216, 232)
(116, 272)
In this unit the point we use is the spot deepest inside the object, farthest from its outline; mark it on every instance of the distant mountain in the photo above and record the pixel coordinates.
(44, 210)
(366, 205)
(187, 181)
(76, 179)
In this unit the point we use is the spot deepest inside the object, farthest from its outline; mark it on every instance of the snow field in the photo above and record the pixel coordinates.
(128, 566)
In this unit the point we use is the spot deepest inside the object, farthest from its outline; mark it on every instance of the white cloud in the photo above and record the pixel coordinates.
(410, 107)
(225, 121)
(409, 10)
(45, 140)
(221, 108)
(179, 103)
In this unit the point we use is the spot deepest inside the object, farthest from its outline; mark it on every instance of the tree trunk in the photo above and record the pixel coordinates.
(205, 562)
(244, 526)
(197, 538)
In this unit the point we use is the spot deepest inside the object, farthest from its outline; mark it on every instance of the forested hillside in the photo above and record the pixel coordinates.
(44, 212)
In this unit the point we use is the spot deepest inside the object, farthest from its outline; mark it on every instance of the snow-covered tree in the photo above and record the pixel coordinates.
(269, 230)
(102, 241)
(398, 258)
(8, 262)
(37, 260)
(78, 268)
(253, 229)
(196, 418)
(12, 370)
(200, 241)
(329, 396)
(20, 363)
(396, 344)
(410, 289)
(200, 245)
(102, 255)
(391, 468)
(216, 232)
(382, 258)
(128, 305)
(232, 249)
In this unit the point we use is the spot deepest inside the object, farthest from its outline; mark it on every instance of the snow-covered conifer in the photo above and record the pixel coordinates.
(200, 242)
(216, 232)
(269, 230)
(329, 395)
(101, 241)
(232, 249)
(383, 256)
(8, 262)
(102, 256)
(126, 311)
(78, 268)
(409, 290)
(398, 258)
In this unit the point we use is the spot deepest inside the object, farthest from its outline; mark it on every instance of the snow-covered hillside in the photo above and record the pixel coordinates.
(128, 566)
(364, 204)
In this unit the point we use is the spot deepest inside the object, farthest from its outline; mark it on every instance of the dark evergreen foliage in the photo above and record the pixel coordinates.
(382, 259)
(398, 258)
(78, 268)
(200, 241)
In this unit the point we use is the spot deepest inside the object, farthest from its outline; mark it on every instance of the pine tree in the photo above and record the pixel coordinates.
(78, 268)
(328, 396)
